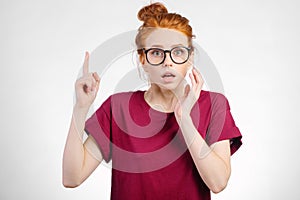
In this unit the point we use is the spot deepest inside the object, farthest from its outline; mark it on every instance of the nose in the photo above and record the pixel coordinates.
(168, 61)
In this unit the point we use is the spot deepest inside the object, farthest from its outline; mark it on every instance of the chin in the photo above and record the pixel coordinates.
(169, 86)
(173, 85)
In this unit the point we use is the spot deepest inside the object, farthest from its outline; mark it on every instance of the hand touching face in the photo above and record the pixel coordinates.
(191, 95)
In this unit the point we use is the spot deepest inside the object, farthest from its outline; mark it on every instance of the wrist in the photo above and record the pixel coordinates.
(188, 129)
(80, 111)
(79, 107)
(185, 118)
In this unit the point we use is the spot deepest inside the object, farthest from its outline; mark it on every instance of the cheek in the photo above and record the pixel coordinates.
(182, 70)
(153, 73)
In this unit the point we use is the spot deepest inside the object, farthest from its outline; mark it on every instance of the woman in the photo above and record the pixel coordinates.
(172, 141)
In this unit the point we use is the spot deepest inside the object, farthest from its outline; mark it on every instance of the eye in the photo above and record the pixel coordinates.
(156, 53)
(178, 51)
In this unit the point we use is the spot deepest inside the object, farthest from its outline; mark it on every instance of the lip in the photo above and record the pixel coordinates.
(168, 74)
(168, 77)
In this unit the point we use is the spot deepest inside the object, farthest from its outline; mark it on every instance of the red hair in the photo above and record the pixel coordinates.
(156, 16)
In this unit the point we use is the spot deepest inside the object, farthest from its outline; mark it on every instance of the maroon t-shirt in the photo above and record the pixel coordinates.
(149, 155)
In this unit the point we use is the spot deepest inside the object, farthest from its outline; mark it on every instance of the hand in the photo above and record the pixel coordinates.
(191, 95)
(87, 86)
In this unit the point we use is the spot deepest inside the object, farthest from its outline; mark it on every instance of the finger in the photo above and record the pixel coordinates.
(198, 79)
(194, 83)
(96, 77)
(96, 82)
(197, 76)
(187, 90)
(97, 87)
(86, 63)
(191, 75)
(90, 85)
(86, 84)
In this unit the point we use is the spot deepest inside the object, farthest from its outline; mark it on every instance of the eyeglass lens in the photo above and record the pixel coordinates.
(178, 55)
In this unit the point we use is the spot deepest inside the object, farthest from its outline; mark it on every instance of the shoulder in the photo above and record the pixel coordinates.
(123, 98)
(119, 100)
(120, 96)
(213, 98)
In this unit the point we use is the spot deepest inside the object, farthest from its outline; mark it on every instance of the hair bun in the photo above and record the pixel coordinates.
(151, 10)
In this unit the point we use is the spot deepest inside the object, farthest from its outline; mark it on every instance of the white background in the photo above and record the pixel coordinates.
(254, 45)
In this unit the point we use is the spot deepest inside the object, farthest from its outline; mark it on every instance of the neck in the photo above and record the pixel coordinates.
(162, 99)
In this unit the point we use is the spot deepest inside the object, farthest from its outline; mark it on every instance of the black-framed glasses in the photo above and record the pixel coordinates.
(156, 56)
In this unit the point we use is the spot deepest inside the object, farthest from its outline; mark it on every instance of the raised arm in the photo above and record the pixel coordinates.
(212, 162)
(81, 159)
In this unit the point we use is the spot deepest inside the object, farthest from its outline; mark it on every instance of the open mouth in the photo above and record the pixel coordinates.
(167, 75)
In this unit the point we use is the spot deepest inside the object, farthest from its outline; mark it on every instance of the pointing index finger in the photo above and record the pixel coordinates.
(86, 63)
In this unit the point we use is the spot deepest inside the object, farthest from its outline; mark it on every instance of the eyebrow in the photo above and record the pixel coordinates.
(175, 45)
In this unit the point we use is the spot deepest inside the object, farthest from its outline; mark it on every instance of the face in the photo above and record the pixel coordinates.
(168, 74)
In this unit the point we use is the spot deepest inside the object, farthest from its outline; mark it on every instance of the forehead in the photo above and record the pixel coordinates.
(166, 38)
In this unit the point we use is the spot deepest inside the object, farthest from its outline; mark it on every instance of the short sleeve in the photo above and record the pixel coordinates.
(99, 126)
(222, 125)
